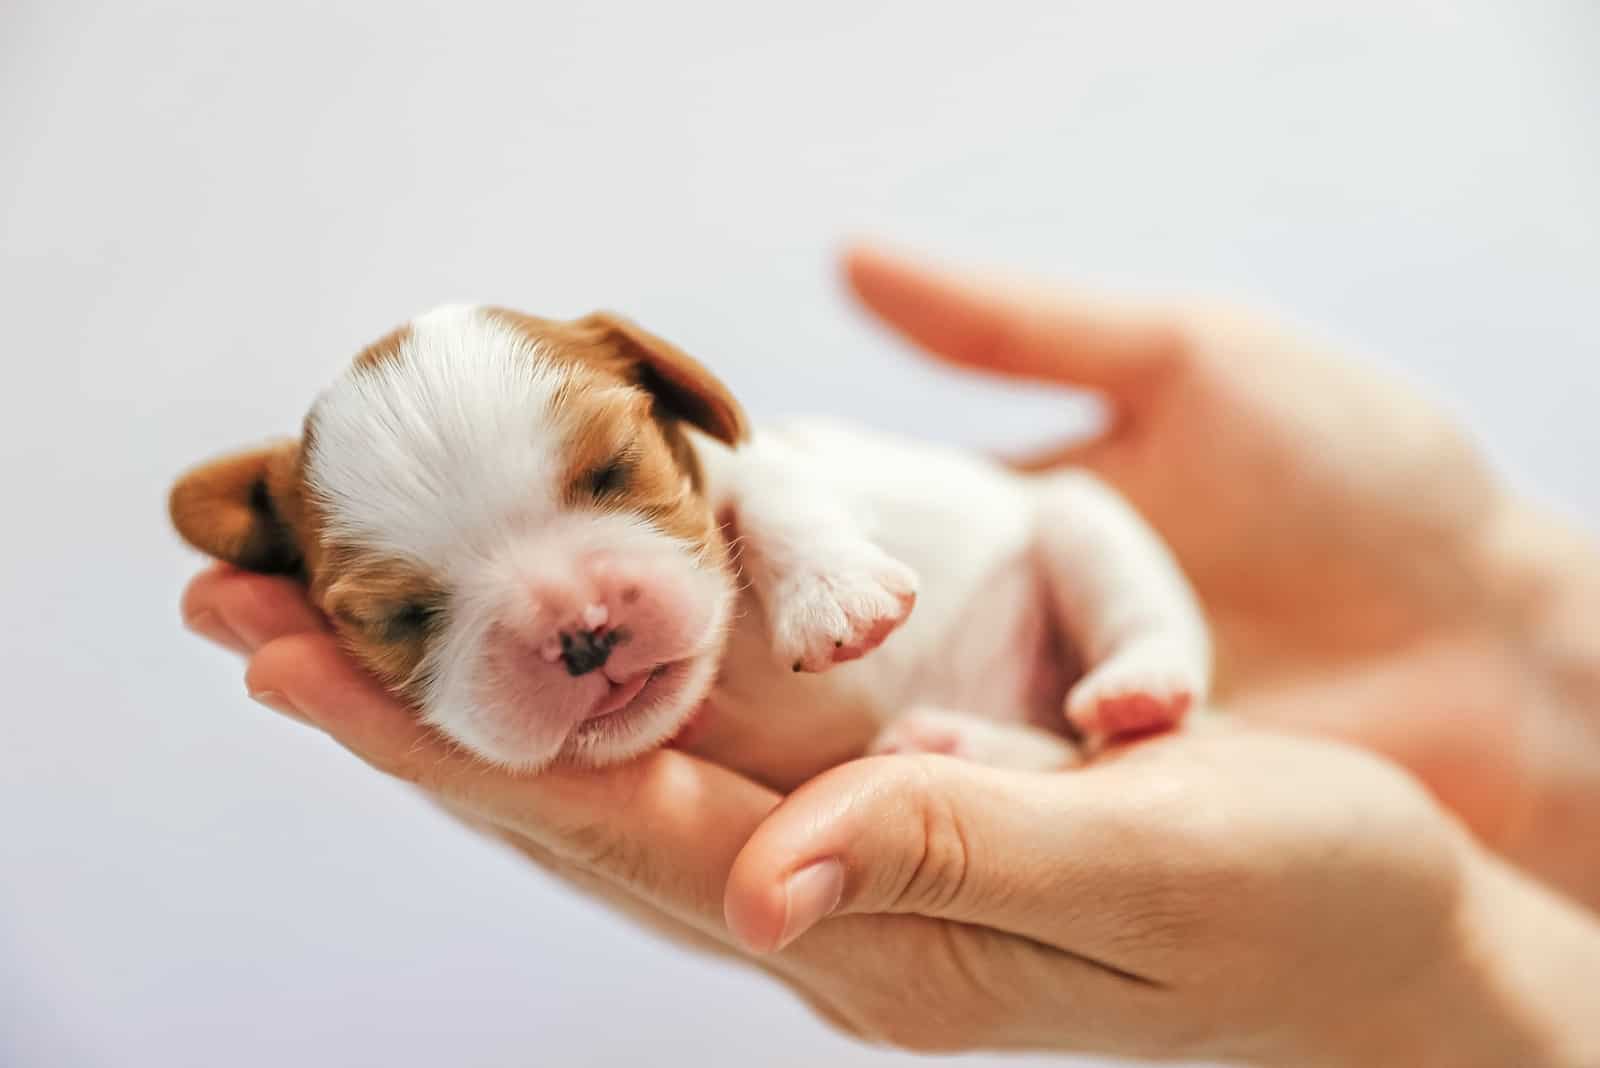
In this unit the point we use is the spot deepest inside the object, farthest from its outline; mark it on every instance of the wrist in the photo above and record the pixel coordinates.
(1512, 983)
(1516, 986)
(1526, 972)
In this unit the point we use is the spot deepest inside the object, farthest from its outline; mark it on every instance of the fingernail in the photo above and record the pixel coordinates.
(210, 626)
(277, 702)
(810, 895)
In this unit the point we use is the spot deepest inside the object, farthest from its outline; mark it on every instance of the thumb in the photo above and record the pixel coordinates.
(1044, 856)
(1014, 326)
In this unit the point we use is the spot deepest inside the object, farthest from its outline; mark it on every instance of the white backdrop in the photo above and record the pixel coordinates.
(207, 209)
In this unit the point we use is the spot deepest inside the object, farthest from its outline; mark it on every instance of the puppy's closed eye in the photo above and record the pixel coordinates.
(409, 620)
(608, 478)
(394, 621)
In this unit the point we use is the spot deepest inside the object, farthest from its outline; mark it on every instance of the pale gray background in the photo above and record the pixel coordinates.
(208, 209)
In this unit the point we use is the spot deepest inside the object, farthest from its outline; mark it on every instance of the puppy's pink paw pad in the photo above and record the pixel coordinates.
(1132, 696)
(1130, 715)
(876, 630)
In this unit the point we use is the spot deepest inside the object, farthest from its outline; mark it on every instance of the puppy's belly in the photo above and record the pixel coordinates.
(1004, 656)
(982, 639)
(1000, 655)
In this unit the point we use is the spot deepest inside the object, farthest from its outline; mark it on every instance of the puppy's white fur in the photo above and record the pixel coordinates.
(451, 455)
(434, 454)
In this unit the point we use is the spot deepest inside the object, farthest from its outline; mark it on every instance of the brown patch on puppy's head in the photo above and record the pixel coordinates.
(627, 400)
(681, 387)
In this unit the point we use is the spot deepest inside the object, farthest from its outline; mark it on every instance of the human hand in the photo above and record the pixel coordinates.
(1220, 893)
(1365, 575)
(1223, 894)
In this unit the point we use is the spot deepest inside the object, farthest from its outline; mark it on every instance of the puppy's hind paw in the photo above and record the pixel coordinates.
(1143, 690)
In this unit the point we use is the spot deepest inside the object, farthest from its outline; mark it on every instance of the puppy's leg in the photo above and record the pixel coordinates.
(1124, 600)
(829, 593)
(982, 741)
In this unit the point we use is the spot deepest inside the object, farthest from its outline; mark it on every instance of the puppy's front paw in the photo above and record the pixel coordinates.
(820, 618)
(1144, 689)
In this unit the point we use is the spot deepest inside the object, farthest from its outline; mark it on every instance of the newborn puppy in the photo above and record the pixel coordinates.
(559, 541)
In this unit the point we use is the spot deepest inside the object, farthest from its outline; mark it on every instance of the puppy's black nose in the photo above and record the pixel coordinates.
(584, 650)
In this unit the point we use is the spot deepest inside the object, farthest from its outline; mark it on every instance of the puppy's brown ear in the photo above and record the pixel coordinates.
(242, 508)
(682, 386)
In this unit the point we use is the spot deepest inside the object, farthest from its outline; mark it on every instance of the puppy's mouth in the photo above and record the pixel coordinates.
(623, 692)
(634, 698)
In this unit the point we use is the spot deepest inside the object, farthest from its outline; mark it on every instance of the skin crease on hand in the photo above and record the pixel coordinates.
(1222, 893)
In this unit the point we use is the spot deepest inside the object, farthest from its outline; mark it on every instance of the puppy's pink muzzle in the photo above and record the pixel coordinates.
(582, 645)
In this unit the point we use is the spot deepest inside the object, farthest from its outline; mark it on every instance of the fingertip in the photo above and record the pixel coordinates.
(1005, 324)
(851, 251)
(949, 315)
(855, 262)
(199, 594)
(873, 268)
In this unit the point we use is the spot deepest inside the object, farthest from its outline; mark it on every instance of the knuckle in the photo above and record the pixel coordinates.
(587, 839)
(598, 848)
(424, 771)
(935, 874)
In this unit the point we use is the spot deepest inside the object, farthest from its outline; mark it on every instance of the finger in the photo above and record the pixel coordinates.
(666, 827)
(242, 611)
(1013, 326)
(1067, 860)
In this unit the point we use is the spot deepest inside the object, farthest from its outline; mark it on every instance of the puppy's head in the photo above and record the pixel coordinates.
(503, 517)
